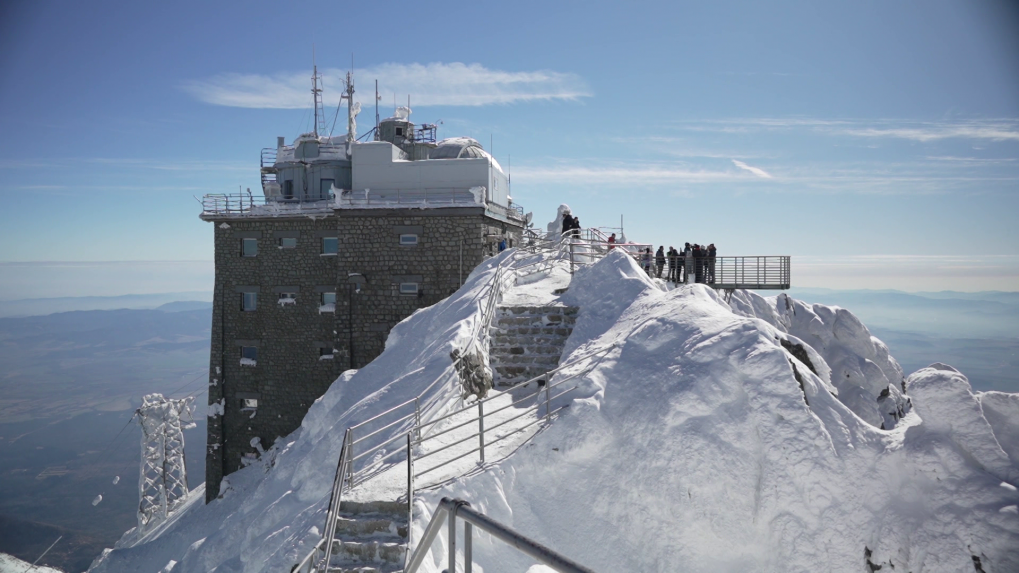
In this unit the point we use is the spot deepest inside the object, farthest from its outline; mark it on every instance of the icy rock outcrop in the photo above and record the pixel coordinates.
(945, 402)
(1001, 410)
(866, 378)
(475, 375)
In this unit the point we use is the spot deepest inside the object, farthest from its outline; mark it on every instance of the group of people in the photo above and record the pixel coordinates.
(571, 223)
(694, 262)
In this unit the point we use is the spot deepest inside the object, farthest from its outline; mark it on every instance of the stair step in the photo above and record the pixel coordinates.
(377, 527)
(369, 551)
(397, 509)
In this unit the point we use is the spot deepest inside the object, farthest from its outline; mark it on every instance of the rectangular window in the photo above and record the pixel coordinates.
(288, 242)
(399, 132)
(325, 352)
(408, 288)
(329, 298)
(249, 301)
(325, 188)
(249, 355)
(249, 403)
(408, 239)
(288, 189)
(287, 298)
(249, 247)
(330, 245)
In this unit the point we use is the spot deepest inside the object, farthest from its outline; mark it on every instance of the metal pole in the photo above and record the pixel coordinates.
(481, 428)
(350, 326)
(468, 550)
(452, 538)
(410, 496)
(548, 402)
(417, 417)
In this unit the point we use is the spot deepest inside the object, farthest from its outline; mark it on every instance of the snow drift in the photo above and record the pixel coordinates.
(762, 434)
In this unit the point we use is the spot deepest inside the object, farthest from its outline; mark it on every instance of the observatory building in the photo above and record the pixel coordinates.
(349, 238)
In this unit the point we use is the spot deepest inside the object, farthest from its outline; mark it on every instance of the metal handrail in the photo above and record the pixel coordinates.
(449, 510)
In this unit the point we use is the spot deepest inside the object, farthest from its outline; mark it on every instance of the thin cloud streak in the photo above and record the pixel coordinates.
(755, 170)
(649, 175)
(433, 84)
(990, 129)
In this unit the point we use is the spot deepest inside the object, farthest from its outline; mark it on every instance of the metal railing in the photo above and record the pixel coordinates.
(397, 419)
(541, 403)
(395, 197)
(449, 510)
(247, 204)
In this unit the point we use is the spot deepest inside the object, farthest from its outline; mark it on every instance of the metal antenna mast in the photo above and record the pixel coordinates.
(353, 108)
(163, 483)
(316, 91)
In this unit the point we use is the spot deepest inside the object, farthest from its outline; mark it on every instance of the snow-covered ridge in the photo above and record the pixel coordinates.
(714, 437)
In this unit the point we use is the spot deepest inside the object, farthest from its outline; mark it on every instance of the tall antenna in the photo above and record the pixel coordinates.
(316, 92)
(163, 484)
(352, 108)
(377, 98)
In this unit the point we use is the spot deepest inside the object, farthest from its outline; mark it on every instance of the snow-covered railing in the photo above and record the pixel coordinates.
(246, 204)
(455, 196)
(449, 510)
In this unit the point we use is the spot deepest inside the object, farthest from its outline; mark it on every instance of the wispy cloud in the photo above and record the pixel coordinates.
(986, 129)
(438, 83)
(755, 170)
(648, 174)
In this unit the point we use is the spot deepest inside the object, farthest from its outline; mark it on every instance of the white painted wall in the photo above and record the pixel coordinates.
(377, 166)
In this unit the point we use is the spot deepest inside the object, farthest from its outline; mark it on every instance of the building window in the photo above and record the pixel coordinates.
(399, 132)
(408, 288)
(249, 301)
(327, 302)
(249, 355)
(408, 239)
(325, 353)
(288, 189)
(249, 247)
(288, 242)
(249, 403)
(325, 188)
(330, 245)
(287, 298)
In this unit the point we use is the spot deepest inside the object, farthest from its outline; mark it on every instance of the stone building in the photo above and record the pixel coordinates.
(349, 239)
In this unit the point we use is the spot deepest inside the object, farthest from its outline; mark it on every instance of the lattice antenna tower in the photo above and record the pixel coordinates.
(316, 92)
(163, 483)
(353, 108)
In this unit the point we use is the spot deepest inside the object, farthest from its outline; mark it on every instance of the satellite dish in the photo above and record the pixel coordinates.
(527, 219)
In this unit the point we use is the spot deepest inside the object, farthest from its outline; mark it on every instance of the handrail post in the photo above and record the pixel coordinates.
(481, 429)
(548, 402)
(468, 549)
(410, 500)
(452, 537)
(417, 416)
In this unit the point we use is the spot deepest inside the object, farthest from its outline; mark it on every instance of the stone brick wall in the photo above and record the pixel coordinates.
(288, 374)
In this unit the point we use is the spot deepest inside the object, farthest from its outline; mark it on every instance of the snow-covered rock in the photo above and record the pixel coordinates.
(755, 435)
(11, 564)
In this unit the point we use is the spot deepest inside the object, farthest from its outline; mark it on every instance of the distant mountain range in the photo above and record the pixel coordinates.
(41, 306)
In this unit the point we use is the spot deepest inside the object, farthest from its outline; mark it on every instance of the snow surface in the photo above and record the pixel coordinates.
(703, 441)
(11, 564)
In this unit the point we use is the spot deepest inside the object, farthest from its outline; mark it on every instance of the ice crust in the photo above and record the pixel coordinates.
(700, 442)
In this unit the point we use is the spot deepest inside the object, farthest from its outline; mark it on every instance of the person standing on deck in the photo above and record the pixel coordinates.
(612, 241)
(687, 263)
(646, 260)
(567, 223)
(660, 260)
(711, 263)
(673, 255)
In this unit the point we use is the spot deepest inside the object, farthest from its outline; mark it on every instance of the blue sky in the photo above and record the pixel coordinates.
(876, 142)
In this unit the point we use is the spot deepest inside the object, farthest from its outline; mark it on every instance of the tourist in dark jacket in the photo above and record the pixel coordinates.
(698, 264)
(646, 260)
(660, 260)
(711, 263)
(567, 223)
(687, 263)
(673, 259)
